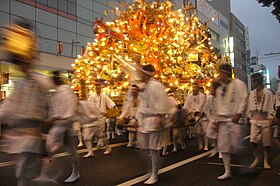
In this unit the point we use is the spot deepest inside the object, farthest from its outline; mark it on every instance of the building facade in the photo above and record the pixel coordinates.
(238, 40)
(62, 28)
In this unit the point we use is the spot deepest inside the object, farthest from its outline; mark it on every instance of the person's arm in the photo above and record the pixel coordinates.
(109, 103)
(243, 100)
(202, 98)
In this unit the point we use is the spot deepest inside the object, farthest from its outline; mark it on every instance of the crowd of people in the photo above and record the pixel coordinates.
(153, 118)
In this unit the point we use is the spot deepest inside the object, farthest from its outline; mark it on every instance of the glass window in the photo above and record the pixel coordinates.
(67, 50)
(4, 19)
(62, 5)
(44, 2)
(46, 17)
(72, 8)
(83, 21)
(46, 31)
(66, 36)
(23, 10)
(84, 13)
(46, 45)
(83, 40)
(85, 4)
(52, 3)
(84, 30)
(5, 6)
(99, 8)
(17, 18)
(67, 24)
(99, 16)
(102, 1)
(73, 1)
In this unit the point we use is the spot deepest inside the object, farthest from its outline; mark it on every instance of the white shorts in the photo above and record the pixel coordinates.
(261, 131)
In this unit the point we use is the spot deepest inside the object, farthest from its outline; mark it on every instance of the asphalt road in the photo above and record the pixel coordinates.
(129, 166)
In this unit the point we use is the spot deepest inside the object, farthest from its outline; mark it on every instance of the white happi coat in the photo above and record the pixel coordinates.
(26, 109)
(89, 115)
(266, 104)
(172, 104)
(209, 110)
(233, 100)
(194, 103)
(101, 102)
(63, 103)
(228, 103)
(63, 106)
(129, 110)
(153, 103)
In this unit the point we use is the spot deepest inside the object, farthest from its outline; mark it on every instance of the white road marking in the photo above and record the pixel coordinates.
(63, 154)
(165, 169)
(232, 165)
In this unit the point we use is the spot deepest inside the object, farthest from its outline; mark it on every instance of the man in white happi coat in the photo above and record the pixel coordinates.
(129, 110)
(25, 109)
(152, 111)
(101, 102)
(260, 112)
(62, 114)
(230, 102)
(92, 122)
(209, 110)
(173, 103)
(194, 105)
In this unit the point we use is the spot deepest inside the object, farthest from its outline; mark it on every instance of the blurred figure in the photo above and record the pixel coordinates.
(209, 110)
(92, 121)
(178, 120)
(166, 132)
(63, 106)
(26, 108)
(260, 109)
(78, 131)
(194, 104)
(151, 115)
(230, 102)
(102, 102)
(129, 111)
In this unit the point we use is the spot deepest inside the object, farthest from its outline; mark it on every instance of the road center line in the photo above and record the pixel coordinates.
(166, 169)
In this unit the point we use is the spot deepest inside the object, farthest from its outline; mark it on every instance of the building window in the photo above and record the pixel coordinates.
(44, 2)
(223, 24)
(240, 42)
(239, 29)
(240, 54)
(214, 35)
(52, 3)
(62, 5)
(72, 8)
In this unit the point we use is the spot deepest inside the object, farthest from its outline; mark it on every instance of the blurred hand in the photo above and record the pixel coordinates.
(121, 120)
(51, 120)
(236, 118)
